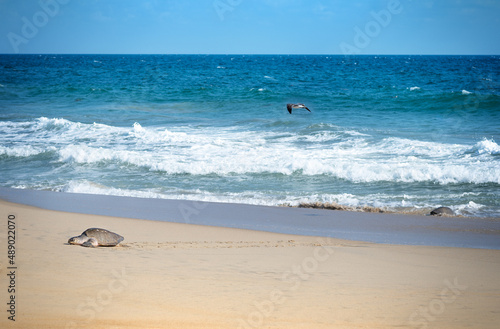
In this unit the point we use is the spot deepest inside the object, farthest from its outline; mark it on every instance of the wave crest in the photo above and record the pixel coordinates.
(486, 146)
(318, 150)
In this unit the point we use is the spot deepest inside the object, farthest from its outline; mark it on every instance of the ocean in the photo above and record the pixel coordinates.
(401, 133)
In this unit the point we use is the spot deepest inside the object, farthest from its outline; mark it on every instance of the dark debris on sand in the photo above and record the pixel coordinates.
(336, 206)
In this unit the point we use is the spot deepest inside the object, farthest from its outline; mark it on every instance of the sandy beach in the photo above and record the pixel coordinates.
(253, 164)
(175, 275)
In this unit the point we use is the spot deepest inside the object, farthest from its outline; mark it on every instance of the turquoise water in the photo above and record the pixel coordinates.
(403, 132)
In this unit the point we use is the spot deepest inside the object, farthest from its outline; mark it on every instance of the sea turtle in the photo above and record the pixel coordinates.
(96, 237)
(442, 211)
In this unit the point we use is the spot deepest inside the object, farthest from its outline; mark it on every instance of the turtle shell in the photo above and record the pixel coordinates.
(104, 237)
(442, 211)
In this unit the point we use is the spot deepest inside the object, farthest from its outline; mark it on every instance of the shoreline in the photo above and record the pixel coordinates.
(176, 275)
(388, 228)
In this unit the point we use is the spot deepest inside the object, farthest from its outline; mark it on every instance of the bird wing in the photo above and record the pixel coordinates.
(303, 107)
(289, 108)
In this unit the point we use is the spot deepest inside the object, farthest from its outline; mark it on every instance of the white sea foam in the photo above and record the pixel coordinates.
(486, 146)
(348, 164)
(468, 208)
(256, 198)
(84, 154)
(89, 187)
(465, 92)
(20, 151)
(414, 88)
(345, 155)
(55, 123)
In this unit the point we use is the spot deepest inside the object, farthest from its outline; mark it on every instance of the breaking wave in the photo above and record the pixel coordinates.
(343, 154)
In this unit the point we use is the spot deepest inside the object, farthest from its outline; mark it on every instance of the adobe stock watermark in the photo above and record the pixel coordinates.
(297, 274)
(223, 6)
(372, 29)
(31, 26)
(191, 208)
(426, 314)
(88, 309)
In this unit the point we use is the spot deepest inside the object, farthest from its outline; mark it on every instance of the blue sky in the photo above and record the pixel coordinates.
(250, 26)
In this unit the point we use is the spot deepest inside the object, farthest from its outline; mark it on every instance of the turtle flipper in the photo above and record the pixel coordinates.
(91, 243)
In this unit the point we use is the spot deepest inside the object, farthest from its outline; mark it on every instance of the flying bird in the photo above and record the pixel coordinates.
(289, 107)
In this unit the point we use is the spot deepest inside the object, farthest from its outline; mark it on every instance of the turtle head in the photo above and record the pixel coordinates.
(77, 240)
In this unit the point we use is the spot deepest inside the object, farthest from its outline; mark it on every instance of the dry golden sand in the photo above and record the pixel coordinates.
(167, 275)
